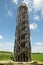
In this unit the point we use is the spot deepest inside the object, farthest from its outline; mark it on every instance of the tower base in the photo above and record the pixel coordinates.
(10, 62)
(25, 63)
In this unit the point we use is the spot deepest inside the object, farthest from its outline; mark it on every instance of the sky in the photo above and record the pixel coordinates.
(8, 17)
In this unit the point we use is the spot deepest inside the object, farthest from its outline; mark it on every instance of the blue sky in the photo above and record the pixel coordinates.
(8, 17)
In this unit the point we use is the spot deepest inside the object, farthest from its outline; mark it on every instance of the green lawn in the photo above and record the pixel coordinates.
(37, 57)
(5, 55)
(8, 55)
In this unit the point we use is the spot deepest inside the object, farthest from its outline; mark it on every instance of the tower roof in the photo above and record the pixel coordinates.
(22, 4)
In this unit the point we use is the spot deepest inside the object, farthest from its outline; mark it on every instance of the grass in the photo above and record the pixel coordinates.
(37, 57)
(7, 56)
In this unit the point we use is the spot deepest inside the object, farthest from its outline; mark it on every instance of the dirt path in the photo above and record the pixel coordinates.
(10, 61)
(5, 61)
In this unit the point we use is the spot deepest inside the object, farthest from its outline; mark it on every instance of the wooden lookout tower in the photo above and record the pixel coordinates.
(22, 47)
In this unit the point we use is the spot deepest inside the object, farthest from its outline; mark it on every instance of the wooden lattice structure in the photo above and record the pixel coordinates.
(22, 47)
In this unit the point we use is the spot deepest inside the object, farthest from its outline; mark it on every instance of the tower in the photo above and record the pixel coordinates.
(22, 47)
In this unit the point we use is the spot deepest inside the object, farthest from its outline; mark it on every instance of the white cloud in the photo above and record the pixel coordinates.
(8, 46)
(38, 5)
(33, 26)
(10, 13)
(26, 1)
(38, 47)
(38, 43)
(30, 10)
(36, 17)
(15, 1)
(42, 14)
(1, 37)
